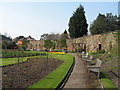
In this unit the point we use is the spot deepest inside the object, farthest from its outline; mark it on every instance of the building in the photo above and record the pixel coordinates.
(36, 45)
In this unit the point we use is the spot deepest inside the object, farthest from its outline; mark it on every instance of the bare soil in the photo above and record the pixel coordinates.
(26, 74)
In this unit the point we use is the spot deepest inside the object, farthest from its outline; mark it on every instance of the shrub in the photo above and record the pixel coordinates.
(15, 53)
(80, 49)
(73, 51)
(92, 62)
(112, 67)
(101, 51)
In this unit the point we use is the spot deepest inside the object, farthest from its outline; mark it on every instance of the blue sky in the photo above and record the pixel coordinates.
(37, 18)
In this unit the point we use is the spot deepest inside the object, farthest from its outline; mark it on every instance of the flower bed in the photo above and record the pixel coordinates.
(25, 74)
(55, 52)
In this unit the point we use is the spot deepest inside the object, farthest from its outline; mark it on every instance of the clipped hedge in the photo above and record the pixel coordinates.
(15, 53)
(101, 51)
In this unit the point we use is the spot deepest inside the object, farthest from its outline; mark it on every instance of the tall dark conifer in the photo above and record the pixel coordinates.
(78, 23)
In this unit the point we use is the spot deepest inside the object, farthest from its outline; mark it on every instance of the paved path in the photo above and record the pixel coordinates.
(79, 77)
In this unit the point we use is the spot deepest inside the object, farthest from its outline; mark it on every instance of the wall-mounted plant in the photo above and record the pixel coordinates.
(110, 45)
(110, 42)
(93, 62)
(117, 35)
(101, 51)
(112, 67)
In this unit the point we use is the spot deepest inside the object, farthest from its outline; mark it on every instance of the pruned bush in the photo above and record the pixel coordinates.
(101, 51)
(15, 53)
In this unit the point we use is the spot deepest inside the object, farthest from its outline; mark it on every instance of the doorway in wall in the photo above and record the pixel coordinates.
(85, 47)
(99, 47)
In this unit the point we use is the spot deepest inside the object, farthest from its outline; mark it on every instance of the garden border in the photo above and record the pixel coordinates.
(63, 82)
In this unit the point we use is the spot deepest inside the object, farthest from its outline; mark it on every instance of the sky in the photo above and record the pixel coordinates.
(37, 18)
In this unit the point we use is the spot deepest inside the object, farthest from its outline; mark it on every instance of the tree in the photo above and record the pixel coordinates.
(51, 36)
(30, 38)
(20, 38)
(48, 44)
(99, 25)
(104, 24)
(63, 43)
(78, 23)
(5, 41)
(44, 37)
(64, 35)
(11, 45)
(24, 40)
(118, 22)
(111, 22)
(25, 44)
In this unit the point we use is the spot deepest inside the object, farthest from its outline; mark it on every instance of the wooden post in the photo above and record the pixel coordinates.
(47, 54)
(19, 43)
(18, 56)
(22, 55)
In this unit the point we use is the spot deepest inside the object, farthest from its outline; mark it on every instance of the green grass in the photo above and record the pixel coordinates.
(10, 53)
(8, 61)
(54, 78)
(107, 83)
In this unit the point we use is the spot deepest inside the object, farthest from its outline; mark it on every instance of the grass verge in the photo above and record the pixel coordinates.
(8, 61)
(53, 79)
(107, 83)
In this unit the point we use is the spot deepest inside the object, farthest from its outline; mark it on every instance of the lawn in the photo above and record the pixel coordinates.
(8, 61)
(107, 83)
(53, 79)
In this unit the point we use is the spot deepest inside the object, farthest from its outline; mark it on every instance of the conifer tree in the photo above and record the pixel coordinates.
(78, 23)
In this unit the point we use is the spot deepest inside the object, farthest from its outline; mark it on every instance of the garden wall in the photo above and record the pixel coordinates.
(105, 41)
(93, 42)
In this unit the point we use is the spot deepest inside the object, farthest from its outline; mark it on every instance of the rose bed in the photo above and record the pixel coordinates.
(26, 74)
